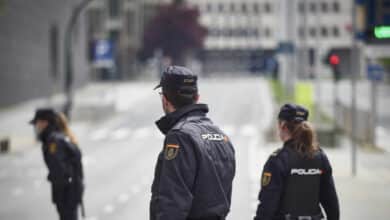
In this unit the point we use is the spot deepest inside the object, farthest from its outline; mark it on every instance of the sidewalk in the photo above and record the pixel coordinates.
(363, 103)
(14, 120)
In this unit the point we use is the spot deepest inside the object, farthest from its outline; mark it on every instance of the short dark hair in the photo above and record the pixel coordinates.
(178, 99)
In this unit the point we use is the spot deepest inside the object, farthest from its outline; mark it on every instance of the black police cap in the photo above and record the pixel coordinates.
(48, 114)
(178, 78)
(292, 112)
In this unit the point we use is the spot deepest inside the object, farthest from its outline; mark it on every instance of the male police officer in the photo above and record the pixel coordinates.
(196, 167)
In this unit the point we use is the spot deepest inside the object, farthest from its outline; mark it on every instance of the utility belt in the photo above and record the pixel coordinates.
(208, 218)
(292, 217)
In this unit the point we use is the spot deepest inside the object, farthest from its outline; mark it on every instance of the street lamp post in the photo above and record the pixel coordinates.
(68, 56)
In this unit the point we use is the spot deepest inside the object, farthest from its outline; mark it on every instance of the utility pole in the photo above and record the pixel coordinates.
(68, 56)
(317, 66)
(355, 70)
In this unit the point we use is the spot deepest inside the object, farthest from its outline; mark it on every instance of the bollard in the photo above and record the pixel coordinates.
(4, 145)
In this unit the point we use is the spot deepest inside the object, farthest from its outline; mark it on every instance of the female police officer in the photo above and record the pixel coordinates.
(297, 178)
(63, 160)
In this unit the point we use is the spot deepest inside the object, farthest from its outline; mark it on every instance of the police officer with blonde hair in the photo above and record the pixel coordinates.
(196, 166)
(297, 179)
(63, 160)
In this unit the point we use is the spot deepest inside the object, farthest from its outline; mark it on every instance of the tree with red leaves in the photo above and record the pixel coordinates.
(175, 30)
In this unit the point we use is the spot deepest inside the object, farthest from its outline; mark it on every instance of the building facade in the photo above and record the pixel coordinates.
(239, 30)
(31, 43)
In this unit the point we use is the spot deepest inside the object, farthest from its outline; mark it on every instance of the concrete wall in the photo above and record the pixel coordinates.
(25, 62)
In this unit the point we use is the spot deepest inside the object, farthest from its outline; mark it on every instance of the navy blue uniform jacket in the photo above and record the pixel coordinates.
(195, 170)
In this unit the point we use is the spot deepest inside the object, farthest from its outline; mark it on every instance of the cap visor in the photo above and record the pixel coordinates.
(158, 86)
(32, 121)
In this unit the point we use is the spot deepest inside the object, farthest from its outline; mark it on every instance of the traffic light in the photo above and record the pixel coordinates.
(377, 21)
(333, 60)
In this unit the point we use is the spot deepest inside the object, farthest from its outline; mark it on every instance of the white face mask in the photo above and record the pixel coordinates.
(37, 131)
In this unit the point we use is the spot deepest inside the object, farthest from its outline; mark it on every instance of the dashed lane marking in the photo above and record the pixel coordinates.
(248, 130)
(109, 209)
(123, 198)
(120, 134)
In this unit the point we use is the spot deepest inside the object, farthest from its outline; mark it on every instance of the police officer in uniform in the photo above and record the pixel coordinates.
(297, 179)
(63, 160)
(195, 169)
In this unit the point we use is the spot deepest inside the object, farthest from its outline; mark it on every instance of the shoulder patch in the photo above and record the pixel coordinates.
(266, 178)
(275, 153)
(52, 148)
(171, 151)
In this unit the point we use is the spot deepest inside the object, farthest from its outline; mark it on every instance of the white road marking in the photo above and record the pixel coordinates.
(120, 134)
(248, 130)
(123, 198)
(18, 191)
(99, 135)
(141, 133)
(109, 209)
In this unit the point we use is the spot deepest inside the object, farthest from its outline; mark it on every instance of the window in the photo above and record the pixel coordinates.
(114, 8)
(244, 8)
(209, 7)
(130, 16)
(232, 7)
(301, 7)
(214, 32)
(267, 7)
(220, 7)
(301, 32)
(336, 31)
(313, 32)
(313, 7)
(336, 7)
(267, 32)
(324, 31)
(324, 7)
(256, 8)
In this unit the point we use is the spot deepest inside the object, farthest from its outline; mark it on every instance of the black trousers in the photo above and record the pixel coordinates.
(67, 212)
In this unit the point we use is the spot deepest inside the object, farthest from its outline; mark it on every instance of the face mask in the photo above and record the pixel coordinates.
(37, 132)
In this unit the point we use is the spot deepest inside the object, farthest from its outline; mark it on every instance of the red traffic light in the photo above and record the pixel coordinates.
(334, 59)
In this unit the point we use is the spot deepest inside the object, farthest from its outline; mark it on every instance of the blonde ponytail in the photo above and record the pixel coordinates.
(63, 126)
(304, 136)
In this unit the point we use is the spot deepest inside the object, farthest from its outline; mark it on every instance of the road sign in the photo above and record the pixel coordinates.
(103, 53)
(375, 72)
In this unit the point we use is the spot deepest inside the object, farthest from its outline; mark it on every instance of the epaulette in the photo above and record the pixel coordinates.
(276, 152)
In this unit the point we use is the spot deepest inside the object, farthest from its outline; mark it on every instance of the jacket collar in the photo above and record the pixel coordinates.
(167, 122)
